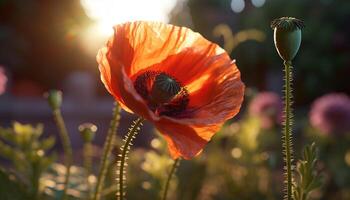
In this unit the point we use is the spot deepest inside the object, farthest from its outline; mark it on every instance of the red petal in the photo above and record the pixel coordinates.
(213, 83)
(120, 86)
(185, 141)
(141, 45)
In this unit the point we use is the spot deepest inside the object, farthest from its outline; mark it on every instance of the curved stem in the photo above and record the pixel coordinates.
(172, 171)
(107, 150)
(287, 132)
(67, 148)
(133, 131)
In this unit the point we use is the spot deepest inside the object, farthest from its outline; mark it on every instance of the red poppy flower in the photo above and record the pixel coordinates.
(184, 84)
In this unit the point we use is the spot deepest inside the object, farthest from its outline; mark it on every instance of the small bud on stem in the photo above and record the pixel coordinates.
(54, 98)
(88, 131)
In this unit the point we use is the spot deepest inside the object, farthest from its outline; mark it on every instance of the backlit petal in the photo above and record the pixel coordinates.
(185, 141)
(212, 80)
(141, 45)
(120, 86)
(213, 84)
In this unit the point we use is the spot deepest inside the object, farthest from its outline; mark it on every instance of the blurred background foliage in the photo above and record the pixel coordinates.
(43, 43)
(322, 65)
(242, 161)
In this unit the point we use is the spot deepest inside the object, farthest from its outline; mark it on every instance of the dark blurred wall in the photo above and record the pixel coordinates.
(40, 43)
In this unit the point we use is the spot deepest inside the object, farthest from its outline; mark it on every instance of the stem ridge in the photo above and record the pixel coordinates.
(122, 163)
(287, 142)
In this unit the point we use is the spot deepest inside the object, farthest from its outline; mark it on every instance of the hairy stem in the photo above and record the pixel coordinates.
(133, 131)
(172, 171)
(287, 132)
(107, 150)
(67, 148)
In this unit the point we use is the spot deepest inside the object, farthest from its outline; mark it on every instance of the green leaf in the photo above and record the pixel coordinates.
(23, 146)
(7, 135)
(47, 143)
(6, 151)
(307, 177)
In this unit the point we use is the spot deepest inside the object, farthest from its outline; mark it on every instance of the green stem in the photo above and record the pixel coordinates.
(111, 189)
(88, 164)
(35, 176)
(304, 197)
(87, 157)
(107, 150)
(287, 135)
(133, 131)
(172, 171)
(67, 148)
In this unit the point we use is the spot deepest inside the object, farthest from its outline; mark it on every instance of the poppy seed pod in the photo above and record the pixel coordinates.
(164, 88)
(87, 131)
(287, 36)
(54, 98)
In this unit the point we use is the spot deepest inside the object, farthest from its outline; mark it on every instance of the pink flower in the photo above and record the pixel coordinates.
(331, 113)
(267, 106)
(3, 80)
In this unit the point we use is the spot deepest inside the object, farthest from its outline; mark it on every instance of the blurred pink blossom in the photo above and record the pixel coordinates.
(268, 107)
(3, 80)
(331, 113)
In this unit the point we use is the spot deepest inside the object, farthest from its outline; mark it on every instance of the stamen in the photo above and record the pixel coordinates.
(144, 82)
(176, 106)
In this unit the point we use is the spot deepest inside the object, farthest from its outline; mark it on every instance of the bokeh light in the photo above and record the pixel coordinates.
(236, 152)
(107, 13)
(258, 3)
(237, 5)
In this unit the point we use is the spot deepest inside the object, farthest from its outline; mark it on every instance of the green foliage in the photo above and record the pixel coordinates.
(26, 151)
(191, 178)
(11, 188)
(218, 173)
(155, 163)
(307, 178)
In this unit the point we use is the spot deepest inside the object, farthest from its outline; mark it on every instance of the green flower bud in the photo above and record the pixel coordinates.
(88, 131)
(287, 36)
(54, 98)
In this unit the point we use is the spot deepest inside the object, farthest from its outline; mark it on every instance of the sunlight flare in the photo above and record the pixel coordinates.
(107, 13)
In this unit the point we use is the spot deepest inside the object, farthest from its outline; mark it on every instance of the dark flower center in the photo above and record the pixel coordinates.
(162, 92)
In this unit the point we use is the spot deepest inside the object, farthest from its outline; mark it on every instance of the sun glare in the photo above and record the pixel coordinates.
(107, 13)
